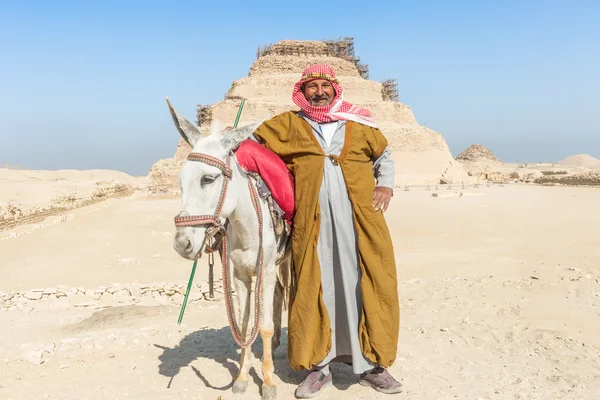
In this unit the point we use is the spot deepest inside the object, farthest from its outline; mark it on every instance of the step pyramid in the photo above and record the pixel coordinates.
(421, 155)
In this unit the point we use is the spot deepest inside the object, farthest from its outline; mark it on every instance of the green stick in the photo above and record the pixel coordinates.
(187, 292)
(189, 286)
(237, 118)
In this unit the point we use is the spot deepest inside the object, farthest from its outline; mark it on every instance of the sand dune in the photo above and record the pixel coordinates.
(580, 160)
(28, 196)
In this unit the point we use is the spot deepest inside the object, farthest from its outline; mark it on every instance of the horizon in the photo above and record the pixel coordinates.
(87, 82)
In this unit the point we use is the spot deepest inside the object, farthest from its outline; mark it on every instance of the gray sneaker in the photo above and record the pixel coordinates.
(313, 384)
(381, 380)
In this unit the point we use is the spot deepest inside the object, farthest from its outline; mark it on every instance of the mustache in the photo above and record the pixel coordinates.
(316, 98)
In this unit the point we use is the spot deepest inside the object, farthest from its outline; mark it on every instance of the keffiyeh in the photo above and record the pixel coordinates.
(338, 109)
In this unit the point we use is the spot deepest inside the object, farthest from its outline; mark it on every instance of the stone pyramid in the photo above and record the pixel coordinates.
(421, 155)
(477, 158)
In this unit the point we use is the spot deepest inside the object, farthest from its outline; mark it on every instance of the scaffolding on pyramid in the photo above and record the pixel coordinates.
(389, 90)
(203, 115)
(342, 48)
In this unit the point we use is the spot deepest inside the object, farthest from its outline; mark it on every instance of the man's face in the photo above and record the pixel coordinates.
(319, 92)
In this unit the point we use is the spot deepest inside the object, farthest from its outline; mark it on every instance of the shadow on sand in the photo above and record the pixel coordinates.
(218, 345)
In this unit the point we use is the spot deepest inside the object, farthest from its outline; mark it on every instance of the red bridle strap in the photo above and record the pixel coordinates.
(213, 161)
(215, 219)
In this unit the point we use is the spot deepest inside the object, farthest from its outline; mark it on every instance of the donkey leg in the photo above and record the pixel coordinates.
(243, 284)
(277, 314)
(266, 333)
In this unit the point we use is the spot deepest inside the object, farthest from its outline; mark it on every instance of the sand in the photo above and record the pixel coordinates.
(580, 160)
(499, 290)
(29, 196)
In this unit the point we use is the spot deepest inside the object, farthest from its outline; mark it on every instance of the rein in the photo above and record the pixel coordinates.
(216, 234)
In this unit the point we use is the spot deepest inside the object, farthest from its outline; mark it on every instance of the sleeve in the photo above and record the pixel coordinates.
(383, 164)
(384, 169)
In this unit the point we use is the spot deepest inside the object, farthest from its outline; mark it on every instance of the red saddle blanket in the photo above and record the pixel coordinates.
(254, 157)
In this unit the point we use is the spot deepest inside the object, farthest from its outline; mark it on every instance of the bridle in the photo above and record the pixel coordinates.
(216, 233)
(213, 220)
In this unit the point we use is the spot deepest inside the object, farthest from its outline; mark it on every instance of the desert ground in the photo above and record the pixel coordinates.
(499, 290)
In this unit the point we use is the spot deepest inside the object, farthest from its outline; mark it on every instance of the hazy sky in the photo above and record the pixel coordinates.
(83, 83)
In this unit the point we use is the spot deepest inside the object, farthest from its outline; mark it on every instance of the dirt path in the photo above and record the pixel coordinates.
(500, 299)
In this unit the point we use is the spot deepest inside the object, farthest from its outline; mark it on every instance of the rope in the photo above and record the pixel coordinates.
(235, 330)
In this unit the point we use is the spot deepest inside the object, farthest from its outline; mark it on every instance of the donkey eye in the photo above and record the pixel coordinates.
(207, 179)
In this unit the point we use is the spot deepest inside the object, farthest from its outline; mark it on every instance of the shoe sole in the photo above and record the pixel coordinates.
(386, 391)
(315, 394)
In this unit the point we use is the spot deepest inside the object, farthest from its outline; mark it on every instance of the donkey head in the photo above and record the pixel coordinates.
(202, 184)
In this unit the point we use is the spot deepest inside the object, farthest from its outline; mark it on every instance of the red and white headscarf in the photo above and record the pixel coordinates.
(338, 109)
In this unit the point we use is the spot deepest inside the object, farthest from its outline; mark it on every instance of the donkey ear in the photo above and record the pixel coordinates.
(233, 138)
(186, 129)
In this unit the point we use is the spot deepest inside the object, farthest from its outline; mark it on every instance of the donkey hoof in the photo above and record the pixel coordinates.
(269, 392)
(240, 386)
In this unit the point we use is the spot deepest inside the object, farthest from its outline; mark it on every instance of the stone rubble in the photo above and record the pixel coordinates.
(589, 178)
(109, 296)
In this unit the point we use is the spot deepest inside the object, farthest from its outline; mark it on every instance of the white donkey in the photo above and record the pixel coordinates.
(219, 198)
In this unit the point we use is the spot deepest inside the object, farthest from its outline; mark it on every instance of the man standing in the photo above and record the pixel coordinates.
(345, 307)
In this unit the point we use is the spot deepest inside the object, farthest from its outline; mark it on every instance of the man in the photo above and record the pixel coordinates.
(345, 307)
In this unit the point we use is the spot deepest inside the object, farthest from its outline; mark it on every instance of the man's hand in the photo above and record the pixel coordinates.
(381, 197)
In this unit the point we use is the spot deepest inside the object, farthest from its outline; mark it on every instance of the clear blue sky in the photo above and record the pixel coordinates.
(83, 83)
